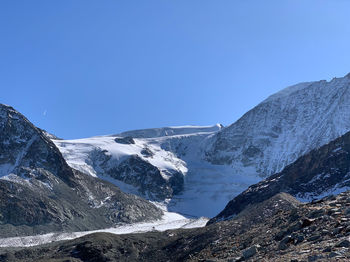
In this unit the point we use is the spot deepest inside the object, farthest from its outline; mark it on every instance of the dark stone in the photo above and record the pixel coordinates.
(327, 249)
(298, 239)
(313, 238)
(335, 254)
(316, 213)
(295, 227)
(343, 243)
(283, 244)
(347, 211)
(146, 152)
(336, 231)
(280, 235)
(314, 258)
(307, 222)
(249, 252)
(125, 140)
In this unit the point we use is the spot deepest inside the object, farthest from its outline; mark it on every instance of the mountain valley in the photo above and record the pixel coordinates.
(274, 185)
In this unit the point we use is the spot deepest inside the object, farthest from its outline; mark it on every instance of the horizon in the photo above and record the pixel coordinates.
(80, 69)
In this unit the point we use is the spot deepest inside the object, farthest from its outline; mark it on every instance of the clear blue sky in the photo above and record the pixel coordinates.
(82, 68)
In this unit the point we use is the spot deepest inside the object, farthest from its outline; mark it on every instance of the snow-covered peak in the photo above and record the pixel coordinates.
(285, 126)
(215, 163)
(171, 131)
(288, 91)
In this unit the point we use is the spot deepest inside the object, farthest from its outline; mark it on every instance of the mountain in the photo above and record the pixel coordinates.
(159, 164)
(40, 193)
(284, 127)
(197, 170)
(319, 173)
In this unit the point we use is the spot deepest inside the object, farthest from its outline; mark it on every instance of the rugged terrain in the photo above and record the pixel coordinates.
(197, 170)
(284, 127)
(40, 193)
(192, 170)
(278, 229)
(321, 172)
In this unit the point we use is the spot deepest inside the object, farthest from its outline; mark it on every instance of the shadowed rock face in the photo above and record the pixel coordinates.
(135, 171)
(24, 147)
(40, 193)
(318, 173)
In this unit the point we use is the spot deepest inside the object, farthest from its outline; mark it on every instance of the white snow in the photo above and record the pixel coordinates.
(288, 91)
(169, 221)
(171, 131)
(335, 190)
(79, 153)
(207, 187)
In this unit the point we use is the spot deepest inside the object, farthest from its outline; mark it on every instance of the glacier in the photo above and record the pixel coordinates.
(202, 168)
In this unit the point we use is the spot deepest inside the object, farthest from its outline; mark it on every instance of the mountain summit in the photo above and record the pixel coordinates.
(285, 126)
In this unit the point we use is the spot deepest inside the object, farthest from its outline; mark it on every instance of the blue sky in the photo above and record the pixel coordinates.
(82, 68)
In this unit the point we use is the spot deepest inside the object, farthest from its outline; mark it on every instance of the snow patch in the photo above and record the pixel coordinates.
(169, 221)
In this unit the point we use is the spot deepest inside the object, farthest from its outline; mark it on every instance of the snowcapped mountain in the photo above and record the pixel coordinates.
(285, 126)
(145, 161)
(155, 172)
(197, 170)
(163, 164)
(40, 193)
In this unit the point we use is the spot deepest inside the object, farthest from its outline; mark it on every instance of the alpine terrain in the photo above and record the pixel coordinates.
(197, 170)
(321, 172)
(40, 193)
(282, 170)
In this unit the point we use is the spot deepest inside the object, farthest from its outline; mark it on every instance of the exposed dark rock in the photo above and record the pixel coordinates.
(249, 252)
(125, 140)
(343, 243)
(146, 152)
(148, 178)
(152, 183)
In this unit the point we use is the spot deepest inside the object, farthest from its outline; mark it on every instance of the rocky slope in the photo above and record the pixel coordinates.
(40, 193)
(319, 173)
(278, 229)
